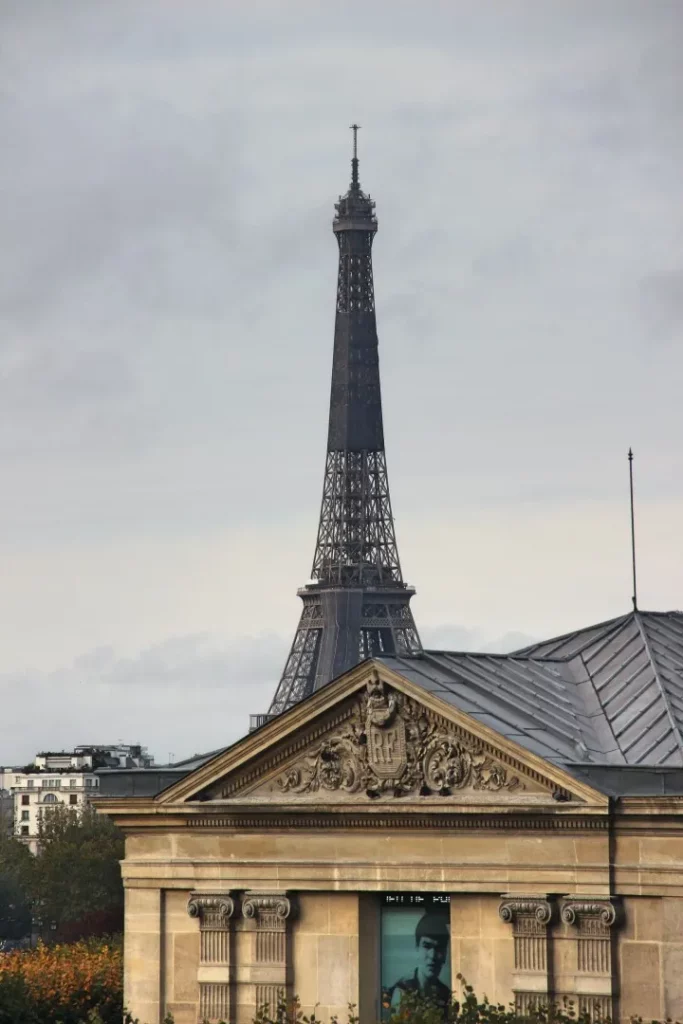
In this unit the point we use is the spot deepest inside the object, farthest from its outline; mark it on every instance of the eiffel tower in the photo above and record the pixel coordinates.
(355, 605)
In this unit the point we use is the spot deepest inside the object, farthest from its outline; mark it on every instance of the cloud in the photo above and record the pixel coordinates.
(662, 305)
(183, 695)
(460, 638)
(167, 285)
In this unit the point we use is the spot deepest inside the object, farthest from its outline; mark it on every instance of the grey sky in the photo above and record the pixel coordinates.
(167, 282)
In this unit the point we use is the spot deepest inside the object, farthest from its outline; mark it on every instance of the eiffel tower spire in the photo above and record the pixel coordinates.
(356, 604)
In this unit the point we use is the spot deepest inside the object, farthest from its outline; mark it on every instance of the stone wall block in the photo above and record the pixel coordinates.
(641, 989)
(142, 952)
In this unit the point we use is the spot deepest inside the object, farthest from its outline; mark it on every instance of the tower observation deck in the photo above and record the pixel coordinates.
(355, 605)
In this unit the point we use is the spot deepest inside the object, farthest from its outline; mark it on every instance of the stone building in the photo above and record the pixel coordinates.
(494, 783)
(401, 815)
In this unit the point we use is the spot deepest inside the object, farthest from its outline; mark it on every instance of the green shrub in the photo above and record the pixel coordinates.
(33, 991)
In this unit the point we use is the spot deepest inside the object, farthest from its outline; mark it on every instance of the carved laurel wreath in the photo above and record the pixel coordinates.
(435, 761)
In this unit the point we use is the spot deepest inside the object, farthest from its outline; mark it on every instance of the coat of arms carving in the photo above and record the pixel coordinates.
(386, 733)
(393, 746)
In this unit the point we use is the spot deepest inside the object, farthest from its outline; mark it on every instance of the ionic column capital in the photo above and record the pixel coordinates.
(576, 909)
(533, 905)
(259, 905)
(219, 907)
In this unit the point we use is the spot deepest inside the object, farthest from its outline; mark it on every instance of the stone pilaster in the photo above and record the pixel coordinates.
(591, 919)
(264, 973)
(529, 914)
(215, 973)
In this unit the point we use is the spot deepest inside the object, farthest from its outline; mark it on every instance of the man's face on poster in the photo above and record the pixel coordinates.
(431, 956)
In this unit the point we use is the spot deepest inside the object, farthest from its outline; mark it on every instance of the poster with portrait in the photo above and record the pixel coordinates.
(415, 956)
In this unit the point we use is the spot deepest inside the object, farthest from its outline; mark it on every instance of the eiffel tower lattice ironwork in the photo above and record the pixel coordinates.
(356, 604)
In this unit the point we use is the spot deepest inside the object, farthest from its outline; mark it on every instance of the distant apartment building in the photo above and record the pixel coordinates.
(63, 778)
(6, 802)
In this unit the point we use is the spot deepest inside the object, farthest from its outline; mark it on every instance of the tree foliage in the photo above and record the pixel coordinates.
(73, 884)
(15, 910)
(77, 875)
(16, 865)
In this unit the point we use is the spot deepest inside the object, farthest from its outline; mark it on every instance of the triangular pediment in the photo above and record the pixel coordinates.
(374, 737)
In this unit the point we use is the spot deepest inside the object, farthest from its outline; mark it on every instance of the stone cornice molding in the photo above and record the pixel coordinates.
(407, 819)
(219, 906)
(513, 907)
(578, 908)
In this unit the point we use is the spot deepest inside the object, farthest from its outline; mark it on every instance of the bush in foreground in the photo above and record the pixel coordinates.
(63, 984)
(82, 983)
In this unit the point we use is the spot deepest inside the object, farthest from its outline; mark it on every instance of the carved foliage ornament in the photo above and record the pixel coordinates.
(392, 746)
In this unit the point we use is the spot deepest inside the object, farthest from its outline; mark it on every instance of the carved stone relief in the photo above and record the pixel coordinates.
(393, 746)
(213, 909)
(215, 912)
(592, 918)
(529, 916)
(269, 913)
(224, 992)
(579, 910)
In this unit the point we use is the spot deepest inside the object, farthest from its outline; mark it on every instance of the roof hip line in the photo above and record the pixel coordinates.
(660, 684)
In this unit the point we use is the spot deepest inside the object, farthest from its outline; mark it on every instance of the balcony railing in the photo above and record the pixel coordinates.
(256, 721)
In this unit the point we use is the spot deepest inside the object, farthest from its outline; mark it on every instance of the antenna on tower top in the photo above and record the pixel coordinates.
(354, 162)
(633, 531)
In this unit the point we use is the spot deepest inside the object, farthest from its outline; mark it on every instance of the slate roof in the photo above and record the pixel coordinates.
(635, 665)
(608, 695)
(605, 703)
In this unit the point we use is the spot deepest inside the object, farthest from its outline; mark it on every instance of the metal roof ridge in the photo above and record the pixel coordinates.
(601, 642)
(596, 693)
(671, 611)
(628, 767)
(511, 656)
(664, 639)
(467, 654)
(660, 684)
(552, 723)
(618, 619)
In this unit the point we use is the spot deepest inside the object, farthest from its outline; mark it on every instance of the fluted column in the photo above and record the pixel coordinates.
(215, 973)
(529, 915)
(591, 920)
(264, 973)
